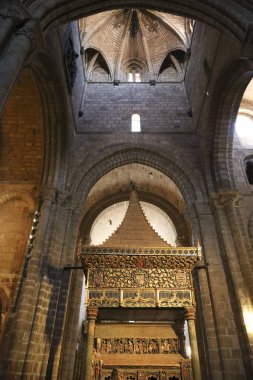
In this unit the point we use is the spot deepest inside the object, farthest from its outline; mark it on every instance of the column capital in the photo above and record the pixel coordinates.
(60, 197)
(226, 197)
(190, 313)
(29, 31)
(92, 313)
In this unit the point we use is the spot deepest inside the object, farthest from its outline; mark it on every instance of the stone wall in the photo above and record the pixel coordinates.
(108, 108)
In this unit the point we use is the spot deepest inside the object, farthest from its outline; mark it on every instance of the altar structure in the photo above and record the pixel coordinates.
(139, 292)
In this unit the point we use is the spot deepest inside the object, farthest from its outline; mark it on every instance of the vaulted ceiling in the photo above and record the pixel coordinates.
(151, 43)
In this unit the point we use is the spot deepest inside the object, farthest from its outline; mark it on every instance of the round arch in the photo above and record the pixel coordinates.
(55, 127)
(163, 204)
(169, 163)
(228, 17)
(19, 195)
(226, 101)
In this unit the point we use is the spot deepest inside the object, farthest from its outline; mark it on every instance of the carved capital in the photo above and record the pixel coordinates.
(224, 198)
(92, 313)
(60, 197)
(28, 31)
(48, 194)
(190, 313)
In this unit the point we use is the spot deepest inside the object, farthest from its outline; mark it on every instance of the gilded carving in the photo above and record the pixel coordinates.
(175, 298)
(146, 278)
(137, 346)
(104, 298)
(129, 261)
(141, 277)
(140, 298)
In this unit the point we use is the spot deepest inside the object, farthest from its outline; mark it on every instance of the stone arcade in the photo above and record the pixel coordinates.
(95, 95)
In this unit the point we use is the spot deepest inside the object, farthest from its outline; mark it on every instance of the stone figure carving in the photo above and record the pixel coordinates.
(137, 346)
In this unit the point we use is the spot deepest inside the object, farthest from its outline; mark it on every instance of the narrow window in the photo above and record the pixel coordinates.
(136, 123)
(130, 77)
(137, 77)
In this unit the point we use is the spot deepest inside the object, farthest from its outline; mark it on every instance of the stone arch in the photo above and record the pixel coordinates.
(16, 211)
(100, 55)
(171, 164)
(224, 108)
(163, 204)
(43, 68)
(20, 195)
(220, 15)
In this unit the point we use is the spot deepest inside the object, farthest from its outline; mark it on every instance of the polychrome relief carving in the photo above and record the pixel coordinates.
(137, 346)
(139, 298)
(146, 278)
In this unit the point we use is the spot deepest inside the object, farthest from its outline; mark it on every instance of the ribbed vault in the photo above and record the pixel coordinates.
(135, 41)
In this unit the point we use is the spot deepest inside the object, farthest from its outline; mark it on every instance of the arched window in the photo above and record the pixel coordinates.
(134, 73)
(136, 123)
(130, 77)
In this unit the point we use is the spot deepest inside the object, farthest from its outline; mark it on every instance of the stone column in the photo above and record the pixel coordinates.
(15, 55)
(190, 317)
(92, 313)
(228, 201)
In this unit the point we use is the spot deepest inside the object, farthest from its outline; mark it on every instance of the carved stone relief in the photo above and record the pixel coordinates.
(137, 346)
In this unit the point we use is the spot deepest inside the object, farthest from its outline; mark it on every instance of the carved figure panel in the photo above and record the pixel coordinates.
(136, 346)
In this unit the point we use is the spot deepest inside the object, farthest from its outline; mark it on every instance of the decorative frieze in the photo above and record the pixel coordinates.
(137, 346)
(139, 258)
(145, 278)
(139, 298)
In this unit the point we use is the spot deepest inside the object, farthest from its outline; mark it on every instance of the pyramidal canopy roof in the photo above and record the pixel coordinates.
(134, 231)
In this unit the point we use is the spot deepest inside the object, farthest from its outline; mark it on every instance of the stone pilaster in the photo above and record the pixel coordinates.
(199, 215)
(36, 338)
(190, 318)
(237, 266)
(92, 313)
(217, 319)
(228, 202)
